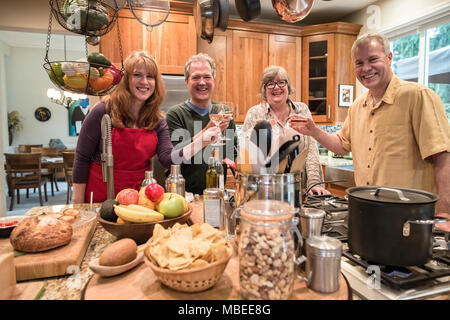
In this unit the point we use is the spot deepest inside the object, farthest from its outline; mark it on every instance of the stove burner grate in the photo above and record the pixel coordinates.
(328, 203)
(406, 277)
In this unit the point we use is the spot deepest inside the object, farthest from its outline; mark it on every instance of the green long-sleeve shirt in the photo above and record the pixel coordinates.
(184, 123)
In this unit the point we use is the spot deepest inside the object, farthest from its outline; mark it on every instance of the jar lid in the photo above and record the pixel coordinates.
(267, 210)
(324, 246)
(312, 213)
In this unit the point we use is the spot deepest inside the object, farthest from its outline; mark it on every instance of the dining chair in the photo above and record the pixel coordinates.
(26, 148)
(49, 174)
(23, 172)
(68, 157)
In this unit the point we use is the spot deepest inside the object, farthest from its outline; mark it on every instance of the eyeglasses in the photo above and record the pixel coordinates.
(272, 84)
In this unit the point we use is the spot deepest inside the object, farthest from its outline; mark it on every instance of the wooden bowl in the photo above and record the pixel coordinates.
(140, 232)
(191, 280)
(106, 271)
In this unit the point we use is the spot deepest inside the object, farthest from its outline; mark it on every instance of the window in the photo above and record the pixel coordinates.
(424, 57)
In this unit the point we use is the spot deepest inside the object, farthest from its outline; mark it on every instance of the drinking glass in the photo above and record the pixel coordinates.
(217, 113)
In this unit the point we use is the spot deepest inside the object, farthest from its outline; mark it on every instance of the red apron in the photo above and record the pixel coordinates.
(133, 150)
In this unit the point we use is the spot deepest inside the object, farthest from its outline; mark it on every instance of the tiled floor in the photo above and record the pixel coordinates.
(33, 201)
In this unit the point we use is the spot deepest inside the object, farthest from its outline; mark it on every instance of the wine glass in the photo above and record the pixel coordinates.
(217, 114)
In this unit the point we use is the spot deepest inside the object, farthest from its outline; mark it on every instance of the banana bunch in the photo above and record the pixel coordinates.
(137, 213)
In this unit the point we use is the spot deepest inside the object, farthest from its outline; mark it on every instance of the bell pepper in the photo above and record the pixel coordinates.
(103, 82)
(116, 73)
(78, 81)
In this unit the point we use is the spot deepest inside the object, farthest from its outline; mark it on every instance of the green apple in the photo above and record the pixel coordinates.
(171, 207)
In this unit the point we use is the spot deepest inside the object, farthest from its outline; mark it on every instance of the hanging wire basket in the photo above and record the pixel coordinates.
(95, 75)
(83, 77)
(86, 17)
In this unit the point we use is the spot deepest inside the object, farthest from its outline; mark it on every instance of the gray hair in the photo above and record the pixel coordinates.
(199, 58)
(270, 73)
(369, 37)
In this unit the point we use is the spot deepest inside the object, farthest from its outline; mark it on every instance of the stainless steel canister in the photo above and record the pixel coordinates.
(323, 263)
(311, 222)
(284, 187)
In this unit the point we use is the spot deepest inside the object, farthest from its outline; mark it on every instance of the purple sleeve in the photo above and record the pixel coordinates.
(165, 148)
(89, 144)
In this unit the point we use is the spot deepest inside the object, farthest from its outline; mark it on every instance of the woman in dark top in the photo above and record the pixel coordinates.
(139, 131)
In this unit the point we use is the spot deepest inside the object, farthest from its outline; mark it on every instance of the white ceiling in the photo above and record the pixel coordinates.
(323, 11)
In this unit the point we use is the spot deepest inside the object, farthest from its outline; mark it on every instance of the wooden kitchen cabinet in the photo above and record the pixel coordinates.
(326, 63)
(131, 38)
(286, 51)
(171, 43)
(250, 58)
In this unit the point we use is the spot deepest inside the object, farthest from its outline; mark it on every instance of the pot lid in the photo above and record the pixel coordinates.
(324, 246)
(267, 210)
(392, 195)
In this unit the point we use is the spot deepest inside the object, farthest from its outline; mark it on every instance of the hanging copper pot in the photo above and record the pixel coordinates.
(292, 10)
(204, 19)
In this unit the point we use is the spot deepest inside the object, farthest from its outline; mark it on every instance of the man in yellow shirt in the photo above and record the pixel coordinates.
(398, 131)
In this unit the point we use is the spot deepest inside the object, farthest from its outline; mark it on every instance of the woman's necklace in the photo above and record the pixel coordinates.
(282, 114)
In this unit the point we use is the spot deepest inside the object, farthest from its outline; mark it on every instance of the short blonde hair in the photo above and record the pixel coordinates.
(201, 57)
(381, 38)
(270, 73)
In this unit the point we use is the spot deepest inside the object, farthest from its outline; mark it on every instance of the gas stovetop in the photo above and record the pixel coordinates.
(371, 281)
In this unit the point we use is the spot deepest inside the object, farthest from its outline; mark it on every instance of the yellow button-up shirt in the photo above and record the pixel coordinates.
(391, 142)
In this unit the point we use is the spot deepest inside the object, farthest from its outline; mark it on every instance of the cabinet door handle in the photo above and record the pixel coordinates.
(329, 111)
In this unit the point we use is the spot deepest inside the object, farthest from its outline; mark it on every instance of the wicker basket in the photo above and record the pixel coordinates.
(192, 280)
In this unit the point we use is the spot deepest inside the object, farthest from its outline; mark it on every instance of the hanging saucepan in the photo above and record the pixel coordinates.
(292, 10)
(391, 226)
(204, 19)
(221, 14)
(248, 9)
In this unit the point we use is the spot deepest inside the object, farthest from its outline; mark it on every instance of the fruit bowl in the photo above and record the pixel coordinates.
(83, 77)
(140, 232)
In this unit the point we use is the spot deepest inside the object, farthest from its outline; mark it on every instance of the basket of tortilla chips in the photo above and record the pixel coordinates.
(188, 258)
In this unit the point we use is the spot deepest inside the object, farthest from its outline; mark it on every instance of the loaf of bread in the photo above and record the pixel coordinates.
(40, 233)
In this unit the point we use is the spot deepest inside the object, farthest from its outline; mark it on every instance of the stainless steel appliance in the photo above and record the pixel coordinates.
(176, 92)
(377, 282)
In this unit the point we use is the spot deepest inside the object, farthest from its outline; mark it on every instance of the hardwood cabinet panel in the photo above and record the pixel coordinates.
(131, 32)
(221, 52)
(172, 43)
(250, 57)
(285, 51)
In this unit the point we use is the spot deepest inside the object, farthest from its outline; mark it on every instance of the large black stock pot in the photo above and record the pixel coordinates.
(391, 226)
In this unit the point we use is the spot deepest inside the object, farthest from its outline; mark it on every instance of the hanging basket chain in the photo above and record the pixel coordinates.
(120, 45)
(49, 30)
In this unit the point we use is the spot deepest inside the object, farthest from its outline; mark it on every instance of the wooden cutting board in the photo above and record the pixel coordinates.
(141, 283)
(55, 262)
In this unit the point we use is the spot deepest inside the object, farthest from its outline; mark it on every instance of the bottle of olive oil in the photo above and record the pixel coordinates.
(219, 168)
(212, 177)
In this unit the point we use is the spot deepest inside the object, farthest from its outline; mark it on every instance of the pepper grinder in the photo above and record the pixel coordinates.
(175, 182)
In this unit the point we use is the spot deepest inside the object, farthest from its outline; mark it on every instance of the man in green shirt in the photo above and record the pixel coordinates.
(191, 118)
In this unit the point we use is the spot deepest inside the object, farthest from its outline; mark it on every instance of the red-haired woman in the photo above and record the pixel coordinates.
(139, 131)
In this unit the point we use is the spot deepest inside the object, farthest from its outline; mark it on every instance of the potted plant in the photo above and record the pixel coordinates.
(14, 124)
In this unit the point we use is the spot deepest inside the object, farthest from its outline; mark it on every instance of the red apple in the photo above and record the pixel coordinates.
(154, 192)
(127, 196)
